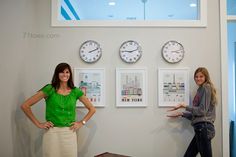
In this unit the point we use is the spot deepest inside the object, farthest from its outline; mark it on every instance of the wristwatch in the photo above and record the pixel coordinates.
(83, 122)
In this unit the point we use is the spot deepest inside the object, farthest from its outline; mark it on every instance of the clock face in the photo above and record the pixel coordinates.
(90, 51)
(130, 51)
(173, 52)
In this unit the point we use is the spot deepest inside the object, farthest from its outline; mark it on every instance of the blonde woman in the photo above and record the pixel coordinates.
(201, 113)
(59, 139)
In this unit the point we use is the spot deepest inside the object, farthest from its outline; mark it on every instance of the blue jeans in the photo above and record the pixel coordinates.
(201, 142)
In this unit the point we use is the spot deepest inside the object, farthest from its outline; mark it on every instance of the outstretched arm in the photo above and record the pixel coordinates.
(176, 114)
(178, 106)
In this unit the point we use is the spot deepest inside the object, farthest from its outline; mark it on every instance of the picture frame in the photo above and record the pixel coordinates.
(131, 87)
(92, 83)
(173, 86)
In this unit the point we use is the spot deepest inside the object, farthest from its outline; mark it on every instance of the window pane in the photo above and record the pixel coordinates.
(231, 66)
(129, 10)
(231, 7)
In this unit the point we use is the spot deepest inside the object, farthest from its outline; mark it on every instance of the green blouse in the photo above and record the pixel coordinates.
(61, 109)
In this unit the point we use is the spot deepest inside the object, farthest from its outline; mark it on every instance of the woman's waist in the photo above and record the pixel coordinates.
(202, 123)
(60, 122)
(202, 119)
(60, 130)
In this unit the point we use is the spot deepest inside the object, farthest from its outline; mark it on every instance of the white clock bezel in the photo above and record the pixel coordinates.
(171, 55)
(87, 48)
(123, 48)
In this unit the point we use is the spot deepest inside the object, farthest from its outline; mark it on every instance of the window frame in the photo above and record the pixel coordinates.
(231, 17)
(202, 22)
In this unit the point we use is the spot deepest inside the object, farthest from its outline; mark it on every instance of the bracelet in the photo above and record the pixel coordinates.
(83, 122)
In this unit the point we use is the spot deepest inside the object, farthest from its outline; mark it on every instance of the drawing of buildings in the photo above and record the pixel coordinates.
(131, 86)
(91, 89)
(173, 90)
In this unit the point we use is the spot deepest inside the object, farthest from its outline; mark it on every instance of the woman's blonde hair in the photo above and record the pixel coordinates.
(205, 72)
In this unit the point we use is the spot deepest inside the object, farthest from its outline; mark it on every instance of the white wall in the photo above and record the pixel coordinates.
(16, 18)
(29, 56)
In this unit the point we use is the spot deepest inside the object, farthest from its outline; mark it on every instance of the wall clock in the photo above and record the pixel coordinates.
(90, 51)
(172, 51)
(130, 51)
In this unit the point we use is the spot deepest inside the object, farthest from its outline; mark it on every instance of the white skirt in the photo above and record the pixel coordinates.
(59, 142)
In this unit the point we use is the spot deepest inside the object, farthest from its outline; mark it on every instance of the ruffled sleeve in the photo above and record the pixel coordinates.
(47, 90)
(78, 93)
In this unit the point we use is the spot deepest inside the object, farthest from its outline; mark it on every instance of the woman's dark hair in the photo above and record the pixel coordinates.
(55, 79)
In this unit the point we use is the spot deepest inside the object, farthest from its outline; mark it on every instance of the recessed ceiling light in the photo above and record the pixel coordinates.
(112, 3)
(193, 5)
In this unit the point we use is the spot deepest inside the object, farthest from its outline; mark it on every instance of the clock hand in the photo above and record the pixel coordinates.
(177, 51)
(129, 51)
(93, 50)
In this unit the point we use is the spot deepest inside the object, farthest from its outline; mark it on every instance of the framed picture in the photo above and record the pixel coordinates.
(173, 85)
(131, 87)
(91, 82)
